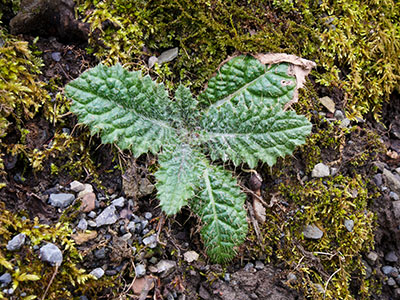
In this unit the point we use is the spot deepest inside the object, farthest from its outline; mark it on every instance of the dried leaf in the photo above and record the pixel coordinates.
(299, 67)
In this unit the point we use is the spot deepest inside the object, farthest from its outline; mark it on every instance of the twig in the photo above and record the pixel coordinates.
(50, 282)
(255, 225)
(329, 279)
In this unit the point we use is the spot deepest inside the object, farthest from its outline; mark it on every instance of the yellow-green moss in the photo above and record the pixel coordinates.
(356, 46)
(31, 276)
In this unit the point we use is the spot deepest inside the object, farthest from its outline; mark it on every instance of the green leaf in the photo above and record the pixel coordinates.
(128, 109)
(186, 106)
(244, 78)
(177, 177)
(220, 206)
(248, 134)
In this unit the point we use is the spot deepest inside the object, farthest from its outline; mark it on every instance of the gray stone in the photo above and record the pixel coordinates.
(82, 225)
(227, 277)
(148, 215)
(368, 269)
(5, 279)
(394, 196)
(152, 61)
(56, 56)
(150, 241)
(168, 55)
(392, 180)
(349, 224)
(107, 217)
(126, 236)
(52, 254)
(92, 223)
(339, 115)
(163, 266)
(87, 189)
(92, 214)
(372, 257)
(378, 180)
(76, 186)
(61, 200)
(190, 256)
(119, 202)
(16, 242)
(248, 267)
(334, 171)
(397, 170)
(312, 232)
(291, 277)
(140, 270)
(344, 123)
(396, 208)
(387, 270)
(391, 257)
(100, 253)
(259, 265)
(131, 226)
(144, 224)
(391, 282)
(98, 273)
(320, 170)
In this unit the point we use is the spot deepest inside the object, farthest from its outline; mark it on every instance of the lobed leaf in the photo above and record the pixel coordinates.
(177, 177)
(248, 134)
(128, 109)
(220, 206)
(244, 78)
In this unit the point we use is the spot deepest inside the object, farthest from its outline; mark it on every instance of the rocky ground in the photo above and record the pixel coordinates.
(169, 259)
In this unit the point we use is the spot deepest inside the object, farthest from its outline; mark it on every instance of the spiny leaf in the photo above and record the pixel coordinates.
(244, 78)
(128, 109)
(186, 106)
(219, 204)
(180, 170)
(251, 133)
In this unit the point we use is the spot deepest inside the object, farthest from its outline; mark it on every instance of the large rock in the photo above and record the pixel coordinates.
(52, 254)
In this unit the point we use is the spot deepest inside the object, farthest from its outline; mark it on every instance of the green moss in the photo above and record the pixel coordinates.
(355, 46)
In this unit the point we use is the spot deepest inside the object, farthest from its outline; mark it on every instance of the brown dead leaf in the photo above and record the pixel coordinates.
(83, 237)
(299, 67)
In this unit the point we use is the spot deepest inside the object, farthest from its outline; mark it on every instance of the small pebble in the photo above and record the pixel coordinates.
(372, 257)
(227, 277)
(92, 214)
(248, 267)
(52, 254)
(140, 270)
(107, 217)
(394, 196)
(76, 186)
(100, 253)
(259, 265)
(312, 232)
(82, 225)
(56, 56)
(119, 202)
(5, 279)
(98, 273)
(349, 224)
(92, 223)
(61, 200)
(150, 241)
(391, 282)
(387, 269)
(391, 257)
(291, 277)
(148, 215)
(320, 170)
(16, 242)
(378, 180)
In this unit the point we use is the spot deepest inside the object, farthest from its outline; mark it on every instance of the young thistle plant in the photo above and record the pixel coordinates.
(240, 117)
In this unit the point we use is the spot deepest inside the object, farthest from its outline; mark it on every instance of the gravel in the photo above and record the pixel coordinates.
(107, 217)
